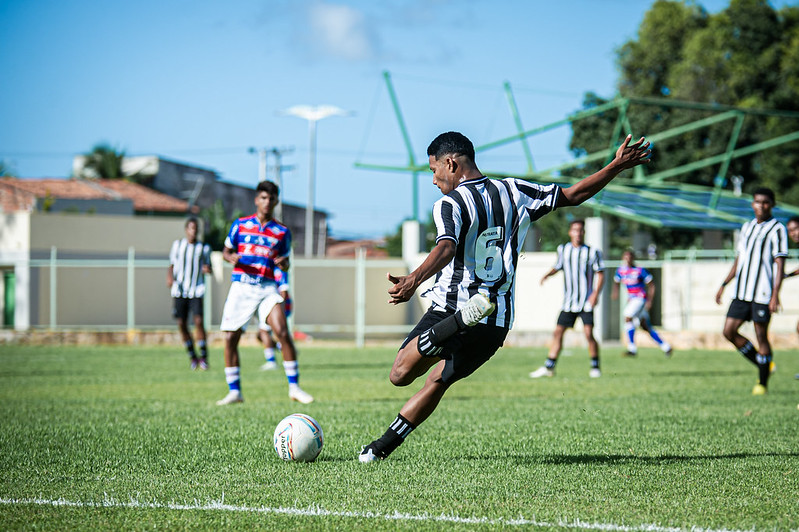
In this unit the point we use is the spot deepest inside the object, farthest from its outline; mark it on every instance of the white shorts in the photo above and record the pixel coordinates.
(244, 300)
(635, 308)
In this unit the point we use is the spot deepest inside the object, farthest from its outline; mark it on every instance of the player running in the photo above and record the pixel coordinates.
(481, 224)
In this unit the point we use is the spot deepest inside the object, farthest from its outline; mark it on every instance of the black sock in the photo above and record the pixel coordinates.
(203, 348)
(394, 436)
(430, 340)
(749, 351)
(550, 363)
(190, 349)
(595, 362)
(764, 368)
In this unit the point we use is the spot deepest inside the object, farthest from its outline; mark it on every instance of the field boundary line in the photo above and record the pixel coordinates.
(395, 516)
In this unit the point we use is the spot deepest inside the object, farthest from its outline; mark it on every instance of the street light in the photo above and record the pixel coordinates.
(312, 113)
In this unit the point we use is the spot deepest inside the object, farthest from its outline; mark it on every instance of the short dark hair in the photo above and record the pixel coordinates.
(794, 219)
(268, 187)
(577, 221)
(191, 220)
(451, 142)
(764, 191)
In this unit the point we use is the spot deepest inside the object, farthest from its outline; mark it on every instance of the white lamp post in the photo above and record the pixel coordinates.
(312, 113)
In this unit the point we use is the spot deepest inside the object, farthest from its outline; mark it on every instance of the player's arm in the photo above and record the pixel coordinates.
(549, 274)
(627, 156)
(726, 281)
(404, 286)
(650, 293)
(774, 304)
(206, 268)
(170, 276)
(230, 256)
(283, 263)
(599, 282)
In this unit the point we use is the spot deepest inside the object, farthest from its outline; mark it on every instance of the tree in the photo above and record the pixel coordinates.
(6, 170)
(745, 56)
(217, 224)
(104, 162)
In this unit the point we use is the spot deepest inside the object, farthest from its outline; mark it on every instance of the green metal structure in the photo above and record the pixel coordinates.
(678, 205)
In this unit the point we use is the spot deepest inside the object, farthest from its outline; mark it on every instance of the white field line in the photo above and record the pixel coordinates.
(396, 516)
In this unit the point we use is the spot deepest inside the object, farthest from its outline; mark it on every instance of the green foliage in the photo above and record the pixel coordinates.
(217, 224)
(104, 161)
(6, 170)
(654, 444)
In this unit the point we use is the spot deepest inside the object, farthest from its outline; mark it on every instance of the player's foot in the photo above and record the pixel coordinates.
(269, 365)
(759, 389)
(477, 308)
(796, 376)
(194, 364)
(668, 352)
(594, 373)
(628, 354)
(772, 367)
(543, 371)
(203, 364)
(300, 395)
(233, 396)
(370, 454)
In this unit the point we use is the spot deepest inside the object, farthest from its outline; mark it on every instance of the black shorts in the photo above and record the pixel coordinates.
(467, 350)
(567, 319)
(183, 305)
(749, 311)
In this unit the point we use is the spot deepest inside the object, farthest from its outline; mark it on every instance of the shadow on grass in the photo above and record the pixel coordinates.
(565, 459)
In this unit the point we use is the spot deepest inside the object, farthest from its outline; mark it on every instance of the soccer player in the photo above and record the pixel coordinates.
(189, 261)
(640, 295)
(256, 245)
(481, 224)
(757, 273)
(265, 331)
(581, 264)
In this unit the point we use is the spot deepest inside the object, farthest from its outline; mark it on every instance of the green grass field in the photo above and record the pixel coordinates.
(114, 438)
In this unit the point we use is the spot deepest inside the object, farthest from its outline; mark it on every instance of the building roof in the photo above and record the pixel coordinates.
(21, 194)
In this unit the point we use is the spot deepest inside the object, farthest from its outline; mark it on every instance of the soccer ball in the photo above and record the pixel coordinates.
(298, 438)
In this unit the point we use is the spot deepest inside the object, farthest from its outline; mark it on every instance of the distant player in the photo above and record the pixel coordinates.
(793, 233)
(640, 295)
(265, 331)
(481, 224)
(581, 264)
(757, 278)
(256, 245)
(189, 262)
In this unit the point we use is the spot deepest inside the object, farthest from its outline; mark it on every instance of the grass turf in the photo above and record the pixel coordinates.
(125, 432)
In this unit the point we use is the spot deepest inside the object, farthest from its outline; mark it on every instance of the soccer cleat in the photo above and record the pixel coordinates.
(194, 364)
(300, 395)
(594, 373)
(369, 454)
(772, 367)
(233, 396)
(628, 354)
(269, 365)
(759, 389)
(543, 371)
(668, 352)
(477, 308)
(203, 364)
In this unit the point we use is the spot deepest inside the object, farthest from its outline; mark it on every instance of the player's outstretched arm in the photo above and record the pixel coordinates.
(404, 286)
(627, 156)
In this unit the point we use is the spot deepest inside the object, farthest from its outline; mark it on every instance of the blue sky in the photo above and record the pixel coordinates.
(201, 81)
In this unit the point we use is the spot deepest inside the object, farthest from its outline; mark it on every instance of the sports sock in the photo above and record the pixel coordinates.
(292, 372)
(748, 350)
(595, 362)
(190, 348)
(233, 379)
(630, 328)
(550, 363)
(269, 354)
(655, 336)
(430, 340)
(764, 367)
(394, 436)
(203, 348)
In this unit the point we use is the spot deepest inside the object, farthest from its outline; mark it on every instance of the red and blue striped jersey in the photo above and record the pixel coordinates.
(635, 279)
(257, 246)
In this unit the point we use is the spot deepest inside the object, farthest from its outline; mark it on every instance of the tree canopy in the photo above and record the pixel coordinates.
(746, 56)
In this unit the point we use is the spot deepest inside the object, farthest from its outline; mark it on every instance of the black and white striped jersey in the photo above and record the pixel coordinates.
(579, 264)
(758, 245)
(488, 220)
(187, 261)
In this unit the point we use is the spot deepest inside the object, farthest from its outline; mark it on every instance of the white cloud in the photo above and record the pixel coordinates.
(341, 32)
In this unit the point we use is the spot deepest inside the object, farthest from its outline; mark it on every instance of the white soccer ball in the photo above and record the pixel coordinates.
(298, 438)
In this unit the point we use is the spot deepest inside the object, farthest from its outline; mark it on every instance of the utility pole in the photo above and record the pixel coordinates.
(279, 167)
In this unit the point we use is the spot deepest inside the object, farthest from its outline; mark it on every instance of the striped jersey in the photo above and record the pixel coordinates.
(758, 245)
(488, 220)
(634, 279)
(187, 261)
(579, 264)
(258, 246)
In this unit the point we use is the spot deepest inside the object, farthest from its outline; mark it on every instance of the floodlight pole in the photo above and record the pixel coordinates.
(312, 113)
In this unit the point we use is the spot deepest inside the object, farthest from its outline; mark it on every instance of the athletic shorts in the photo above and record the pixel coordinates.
(262, 317)
(568, 319)
(635, 308)
(183, 305)
(749, 311)
(244, 300)
(467, 350)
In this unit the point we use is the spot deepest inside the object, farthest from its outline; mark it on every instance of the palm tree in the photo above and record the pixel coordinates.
(104, 161)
